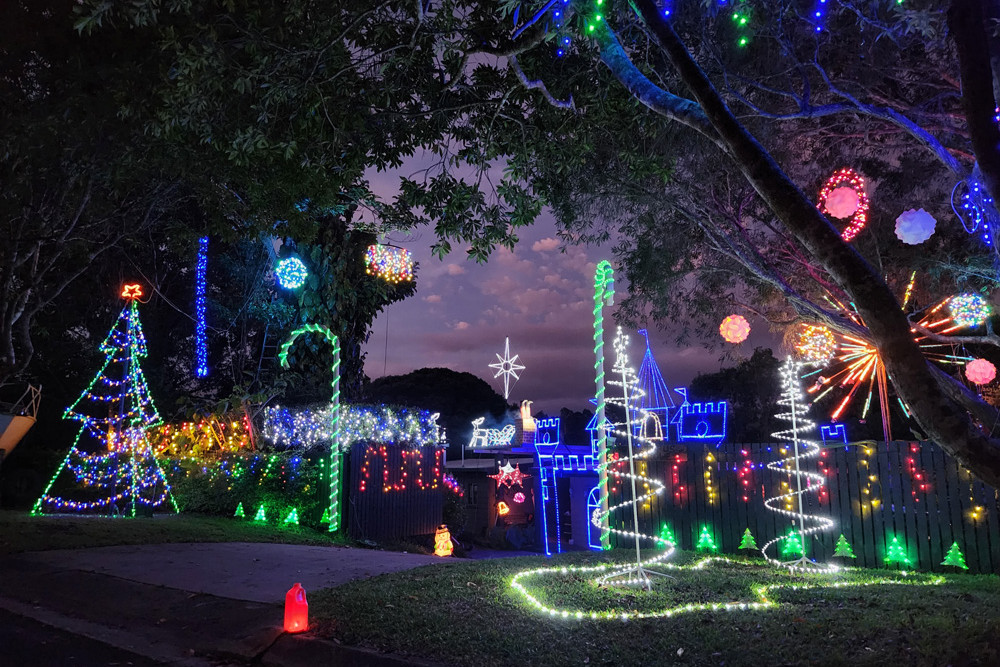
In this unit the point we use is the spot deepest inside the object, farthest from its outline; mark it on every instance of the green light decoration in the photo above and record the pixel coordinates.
(955, 557)
(667, 536)
(604, 295)
(326, 516)
(292, 519)
(896, 553)
(239, 513)
(792, 544)
(705, 541)
(843, 548)
(333, 505)
(747, 541)
(261, 515)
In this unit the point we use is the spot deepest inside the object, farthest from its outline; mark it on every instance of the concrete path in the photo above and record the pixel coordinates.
(235, 570)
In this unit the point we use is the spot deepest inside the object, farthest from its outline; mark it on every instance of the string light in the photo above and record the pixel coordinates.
(306, 428)
(490, 437)
(508, 367)
(976, 210)
(604, 294)
(968, 310)
(793, 399)
(856, 182)
(389, 263)
(291, 273)
(200, 335)
(816, 344)
(408, 473)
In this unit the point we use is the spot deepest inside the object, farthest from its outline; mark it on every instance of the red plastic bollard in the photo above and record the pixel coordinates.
(296, 610)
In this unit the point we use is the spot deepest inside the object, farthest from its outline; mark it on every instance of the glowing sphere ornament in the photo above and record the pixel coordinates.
(735, 329)
(834, 202)
(969, 310)
(291, 273)
(913, 227)
(390, 263)
(980, 371)
(816, 344)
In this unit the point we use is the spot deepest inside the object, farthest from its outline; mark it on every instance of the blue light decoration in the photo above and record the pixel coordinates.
(291, 273)
(112, 450)
(306, 428)
(975, 208)
(656, 399)
(819, 14)
(833, 432)
(200, 339)
(701, 422)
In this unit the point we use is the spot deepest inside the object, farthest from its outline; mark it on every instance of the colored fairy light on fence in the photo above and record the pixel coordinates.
(296, 610)
(980, 371)
(734, 329)
(291, 273)
(969, 310)
(200, 334)
(816, 344)
(842, 203)
(390, 263)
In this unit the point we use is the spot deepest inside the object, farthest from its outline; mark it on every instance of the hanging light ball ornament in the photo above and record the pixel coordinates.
(913, 227)
(834, 202)
(980, 371)
(291, 273)
(735, 329)
(969, 310)
(816, 344)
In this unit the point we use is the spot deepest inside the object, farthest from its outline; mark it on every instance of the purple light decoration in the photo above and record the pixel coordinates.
(200, 339)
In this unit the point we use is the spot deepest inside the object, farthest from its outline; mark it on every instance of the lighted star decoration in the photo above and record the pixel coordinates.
(509, 475)
(508, 367)
(132, 291)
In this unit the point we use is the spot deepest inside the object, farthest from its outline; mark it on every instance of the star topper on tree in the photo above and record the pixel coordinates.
(507, 366)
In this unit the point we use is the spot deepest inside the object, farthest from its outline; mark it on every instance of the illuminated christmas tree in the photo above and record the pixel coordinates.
(792, 545)
(896, 553)
(110, 468)
(239, 513)
(843, 548)
(955, 557)
(667, 536)
(292, 518)
(261, 515)
(705, 541)
(747, 542)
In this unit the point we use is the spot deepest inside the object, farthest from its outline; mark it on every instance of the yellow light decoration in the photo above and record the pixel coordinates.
(734, 329)
(503, 509)
(133, 291)
(211, 435)
(816, 344)
(442, 541)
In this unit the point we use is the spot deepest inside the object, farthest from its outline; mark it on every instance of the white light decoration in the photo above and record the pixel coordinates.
(635, 574)
(842, 202)
(307, 428)
(794, 400)
(508, 367)
(913, 227)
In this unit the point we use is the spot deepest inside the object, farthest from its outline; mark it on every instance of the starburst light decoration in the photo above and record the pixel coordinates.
(842, 203)
(796, 409)
(508, 367)
(291, 273)
(816, 344)
(734, 329)
(969, 310)
(980, 371)
(389, 263)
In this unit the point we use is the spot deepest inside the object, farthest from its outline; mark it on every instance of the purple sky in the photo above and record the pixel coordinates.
(539, 296)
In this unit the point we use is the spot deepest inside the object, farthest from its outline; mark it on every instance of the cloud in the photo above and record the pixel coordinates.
(547, 244)
(455, 269)
(433, 298)
(461, 326)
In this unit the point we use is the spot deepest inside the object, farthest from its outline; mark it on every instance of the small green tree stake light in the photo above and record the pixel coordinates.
(239, 513)
(896, 553)
(261, 515)
(747, 541)
(955, 558)
(705, 541)
(667, 536)
(843, 548)
(292, 519)
(793, 544)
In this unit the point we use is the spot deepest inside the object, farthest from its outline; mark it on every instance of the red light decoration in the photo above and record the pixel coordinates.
(853, 180)
(980, 371)
(411, 469)
(509, 475)
(918, 476)
(133, 291)
(296, 610)
(735, 329)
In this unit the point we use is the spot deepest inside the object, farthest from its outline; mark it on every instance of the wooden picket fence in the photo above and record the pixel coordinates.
(911, 491)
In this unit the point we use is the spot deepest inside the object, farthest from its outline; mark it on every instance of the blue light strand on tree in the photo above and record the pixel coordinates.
(200, 339)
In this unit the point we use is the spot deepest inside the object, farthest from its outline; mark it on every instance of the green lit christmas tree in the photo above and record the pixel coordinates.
(705, 541)
(792, 544)
(843, 548)
(292, 518)
(261, 515)
(955, 557)
(896, 553)
(667, 536)
(239, 513)
(111, 468)
(747, 542)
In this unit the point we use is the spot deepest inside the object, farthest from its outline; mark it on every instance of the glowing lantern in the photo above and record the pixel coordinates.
(913, 227)
(980, 371)
(968, 310)
(442, 541)
(816, 344)
(735, 329)
(503, 509)
(291, 273)
(842, 202)
(296, 610)
(834, 201)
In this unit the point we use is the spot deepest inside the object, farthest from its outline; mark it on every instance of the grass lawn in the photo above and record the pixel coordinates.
(467, 613)
(21, 532)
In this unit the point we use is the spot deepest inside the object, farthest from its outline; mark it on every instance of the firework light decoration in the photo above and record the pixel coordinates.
(840, 179)
(969, 310)
(734, 329)
(291, 273)
(635, 574)
(980, 371)
(389, 263)
(794, 401)
(816, 344)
